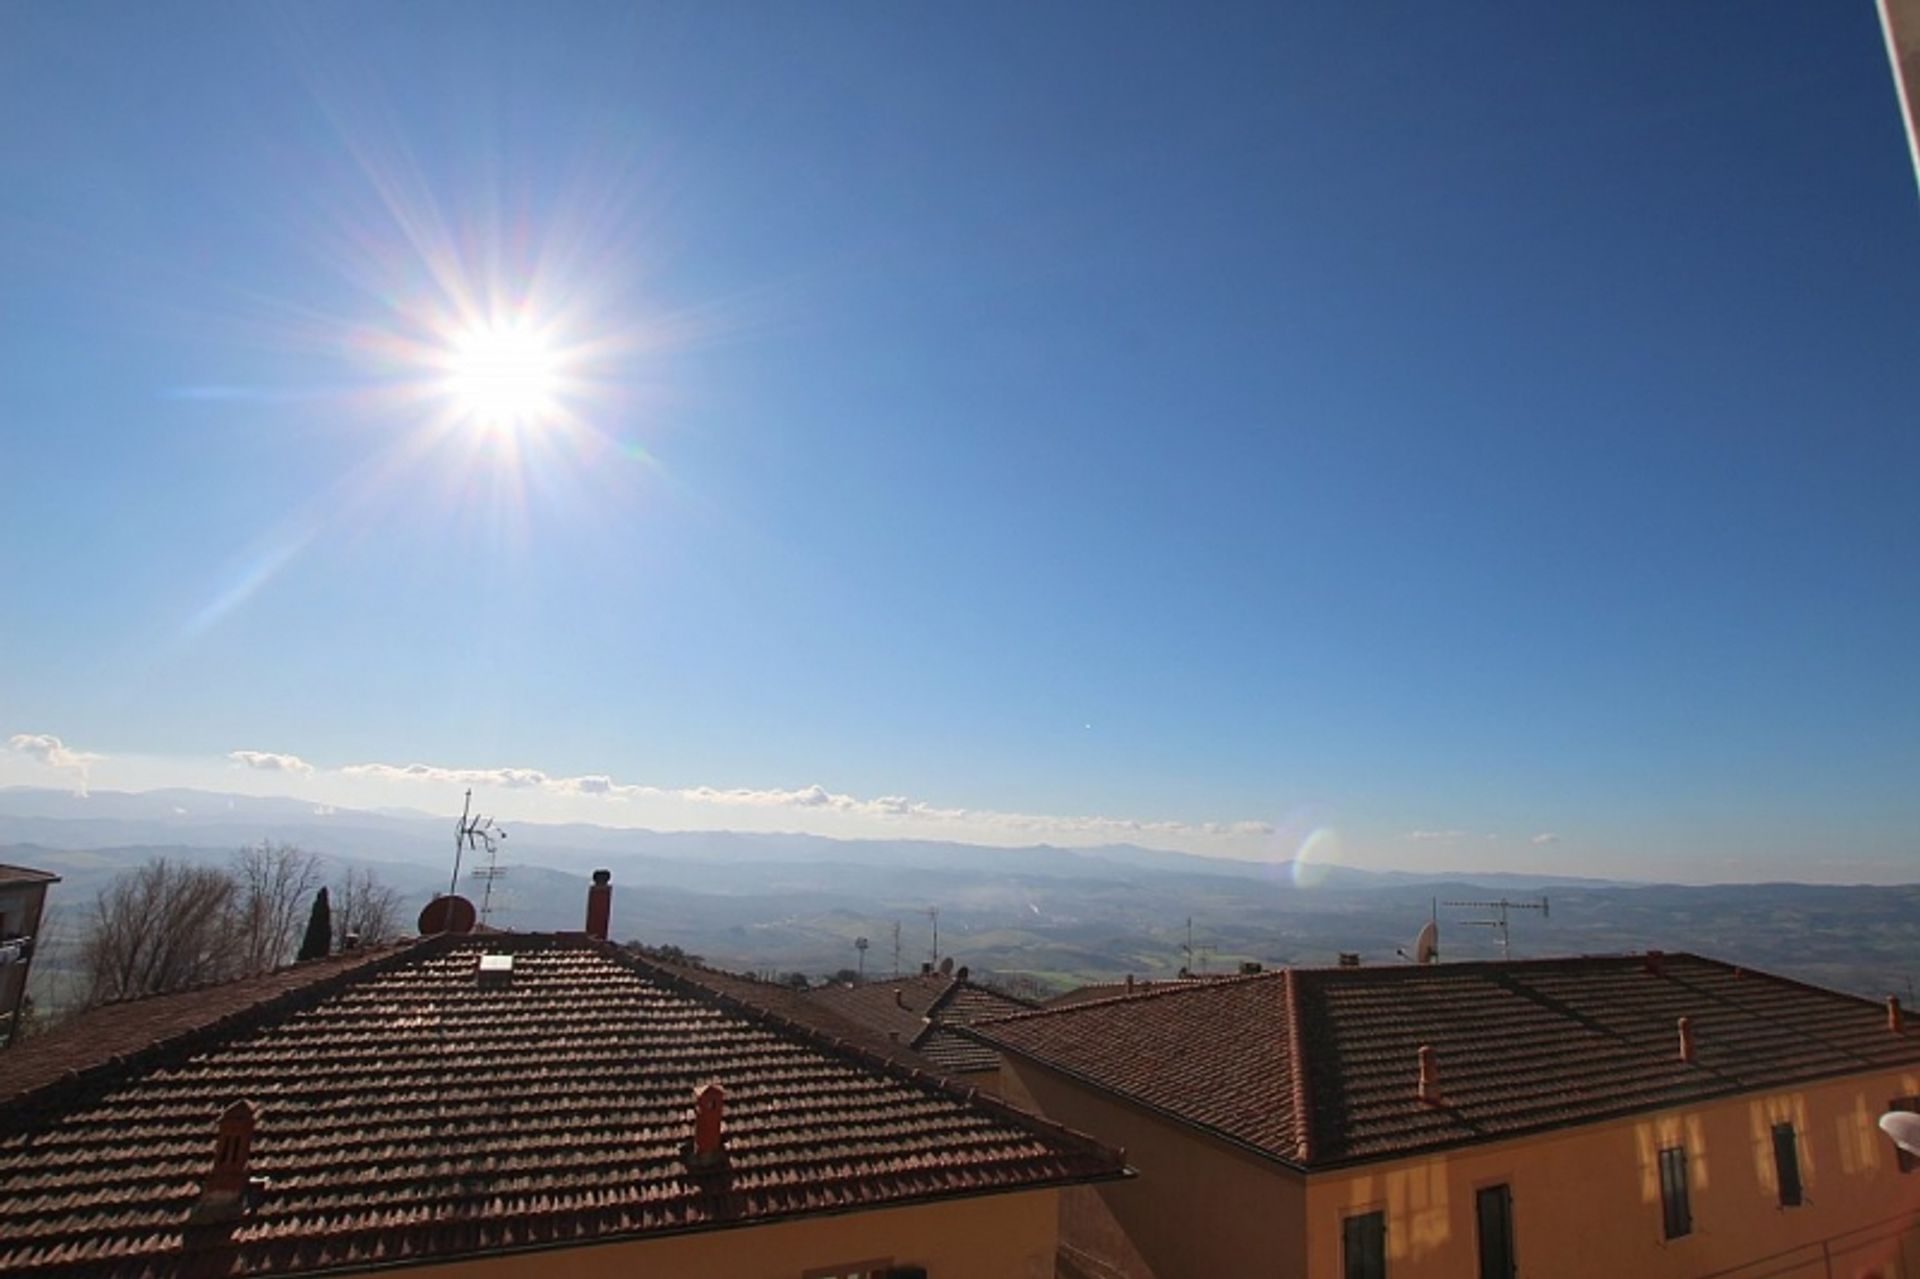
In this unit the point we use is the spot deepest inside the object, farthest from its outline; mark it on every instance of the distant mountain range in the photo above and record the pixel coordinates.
(1056, 916)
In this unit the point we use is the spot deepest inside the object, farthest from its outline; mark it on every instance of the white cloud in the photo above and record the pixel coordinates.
(1435, 836)
(1544, 838)
(269, 762)
(815, 798)
(54, 753)
(510, 778)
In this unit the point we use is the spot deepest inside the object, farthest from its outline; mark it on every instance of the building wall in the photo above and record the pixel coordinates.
(1199, 1209)
(1009, 1236)
(1586, 1201)
(20, 910)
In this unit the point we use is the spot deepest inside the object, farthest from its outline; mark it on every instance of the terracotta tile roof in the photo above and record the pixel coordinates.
(408, 1112)
(919, 1012)
(95, 1039)
(1317, 1067)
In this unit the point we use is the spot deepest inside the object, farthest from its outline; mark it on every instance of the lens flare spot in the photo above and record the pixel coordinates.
(1318, 852)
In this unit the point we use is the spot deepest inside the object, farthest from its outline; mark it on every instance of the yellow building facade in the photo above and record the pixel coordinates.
(1586, 1201)
(1595, 1117)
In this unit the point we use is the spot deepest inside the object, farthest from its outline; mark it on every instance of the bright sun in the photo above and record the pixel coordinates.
(504, 375)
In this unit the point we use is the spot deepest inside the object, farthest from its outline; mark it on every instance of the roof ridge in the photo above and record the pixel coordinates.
(1297, 1053)
(1174, 986)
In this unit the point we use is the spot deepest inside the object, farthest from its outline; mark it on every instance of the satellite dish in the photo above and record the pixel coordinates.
(1904, 1127)
(1426, 947)
(450, 914)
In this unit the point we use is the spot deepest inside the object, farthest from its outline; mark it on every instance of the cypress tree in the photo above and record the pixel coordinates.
(319, 939)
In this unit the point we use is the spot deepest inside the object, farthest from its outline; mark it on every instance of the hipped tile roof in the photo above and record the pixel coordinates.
(408, 1112)
(1318, 1067)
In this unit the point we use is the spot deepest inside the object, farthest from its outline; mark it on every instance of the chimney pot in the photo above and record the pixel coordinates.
(1686, 1038)
(600, 904)
(1429, 1076)
(709, 1137)
(225, 1192)
(1129, 981)
(1896, 1022)
(899, 997)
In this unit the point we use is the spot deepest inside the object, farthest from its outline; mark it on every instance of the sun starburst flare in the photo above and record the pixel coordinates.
(504, 375)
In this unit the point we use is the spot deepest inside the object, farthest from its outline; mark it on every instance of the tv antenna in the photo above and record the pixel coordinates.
(860, 944)
(475, 832)
(487, 874)
(933, 913)
(1499, 922)
(1187, 969)
(896, 948)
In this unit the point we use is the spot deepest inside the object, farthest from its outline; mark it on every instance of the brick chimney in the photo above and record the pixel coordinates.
(709, 1145)
(224, 1193)
(600, 904)
(1895, 1021)
(1686, 1038)
(1429, 1076)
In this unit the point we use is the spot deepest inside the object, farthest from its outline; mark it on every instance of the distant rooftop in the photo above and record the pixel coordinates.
(412, 1109)
(1318, 1067)
(25, 875)
(920, 1012)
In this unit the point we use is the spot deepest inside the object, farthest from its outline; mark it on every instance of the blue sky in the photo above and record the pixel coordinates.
(1471, 432)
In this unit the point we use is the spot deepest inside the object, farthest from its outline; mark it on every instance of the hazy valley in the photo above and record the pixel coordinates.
(1057, 916)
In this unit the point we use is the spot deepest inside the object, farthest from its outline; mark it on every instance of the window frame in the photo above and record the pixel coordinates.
(1512, 1268)
(1348, 1261)
(1676, 1196)
(1787, 1141)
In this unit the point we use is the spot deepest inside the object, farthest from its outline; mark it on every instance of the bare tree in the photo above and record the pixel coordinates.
(161, 926)
(366, 907)
(275, 884)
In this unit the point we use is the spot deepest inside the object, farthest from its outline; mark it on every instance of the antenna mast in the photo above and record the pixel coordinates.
(933, 913)
(896, 948)
(475, 832)
(1499, 922)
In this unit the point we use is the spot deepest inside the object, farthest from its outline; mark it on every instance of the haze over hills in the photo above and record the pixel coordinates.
(1059, 916)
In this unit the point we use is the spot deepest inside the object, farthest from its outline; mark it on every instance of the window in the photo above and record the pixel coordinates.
(1786, 1165)
(1363, 1242)
(1677, 1212)
(1906, 1162)
(1494, 1207)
